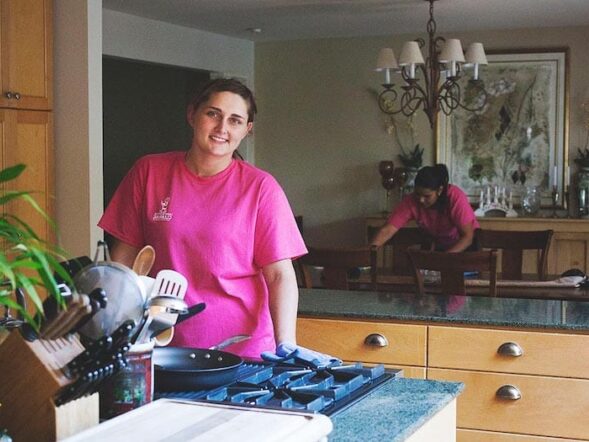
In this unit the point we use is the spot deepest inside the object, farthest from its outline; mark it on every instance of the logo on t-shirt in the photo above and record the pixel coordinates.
(163, 214)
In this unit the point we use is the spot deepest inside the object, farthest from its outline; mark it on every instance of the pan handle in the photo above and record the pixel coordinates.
(230, 341)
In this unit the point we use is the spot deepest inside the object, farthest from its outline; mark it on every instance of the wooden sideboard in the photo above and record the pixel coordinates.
(569, 248)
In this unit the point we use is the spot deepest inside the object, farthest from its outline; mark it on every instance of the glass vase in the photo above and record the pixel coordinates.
(531, 201)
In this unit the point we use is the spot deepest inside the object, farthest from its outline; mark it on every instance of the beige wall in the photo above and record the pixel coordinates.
(320, 132)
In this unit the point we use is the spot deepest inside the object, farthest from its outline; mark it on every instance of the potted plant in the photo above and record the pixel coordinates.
(411, 159)
(26, 261)
(583, 159)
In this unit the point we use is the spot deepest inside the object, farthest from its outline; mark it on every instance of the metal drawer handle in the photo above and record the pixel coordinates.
(8, 95)
(17, 95)
(376, 340)
(509, 393)
(510, 349)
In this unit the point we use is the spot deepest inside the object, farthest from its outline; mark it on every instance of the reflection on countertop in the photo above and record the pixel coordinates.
(470, 310)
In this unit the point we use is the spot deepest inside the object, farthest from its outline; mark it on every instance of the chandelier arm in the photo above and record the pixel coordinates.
(410, 102)
(450, 96)
(382, 100)
(482, 102)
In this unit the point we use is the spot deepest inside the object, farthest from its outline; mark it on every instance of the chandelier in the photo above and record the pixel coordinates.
(445, 60)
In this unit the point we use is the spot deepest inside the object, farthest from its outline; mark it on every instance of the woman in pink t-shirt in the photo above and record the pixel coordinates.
(221, 222)
(437, 207)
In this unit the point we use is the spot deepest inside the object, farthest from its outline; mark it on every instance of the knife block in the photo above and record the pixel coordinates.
(30, 376)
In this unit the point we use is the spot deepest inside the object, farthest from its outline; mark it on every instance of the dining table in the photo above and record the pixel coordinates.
(529, 287)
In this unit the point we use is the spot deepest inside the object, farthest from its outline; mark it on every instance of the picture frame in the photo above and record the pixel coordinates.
(519, 139)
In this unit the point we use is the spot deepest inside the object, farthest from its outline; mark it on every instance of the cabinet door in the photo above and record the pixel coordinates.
(26, 54)
(28, 140)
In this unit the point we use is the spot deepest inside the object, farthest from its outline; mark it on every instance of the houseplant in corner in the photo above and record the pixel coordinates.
(27, 261)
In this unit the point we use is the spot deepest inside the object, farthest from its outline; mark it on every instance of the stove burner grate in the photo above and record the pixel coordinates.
(290, 384)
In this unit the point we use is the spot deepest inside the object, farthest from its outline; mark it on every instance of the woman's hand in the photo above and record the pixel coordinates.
(284, 299)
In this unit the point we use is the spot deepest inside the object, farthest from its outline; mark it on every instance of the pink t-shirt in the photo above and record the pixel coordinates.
(443, 226)
(219, 232)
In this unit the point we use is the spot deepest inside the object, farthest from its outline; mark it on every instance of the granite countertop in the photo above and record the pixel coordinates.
(394, 411)
(468, 310)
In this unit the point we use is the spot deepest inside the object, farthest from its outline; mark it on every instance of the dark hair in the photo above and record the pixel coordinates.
(226, 85)
(434, 177)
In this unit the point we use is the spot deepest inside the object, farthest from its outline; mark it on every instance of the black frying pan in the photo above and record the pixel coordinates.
(185, 369)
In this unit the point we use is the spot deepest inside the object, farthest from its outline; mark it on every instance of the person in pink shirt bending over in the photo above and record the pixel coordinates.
(439, 208)
(224, 224)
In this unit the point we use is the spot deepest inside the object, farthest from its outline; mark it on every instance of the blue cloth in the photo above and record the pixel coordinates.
(287, 350)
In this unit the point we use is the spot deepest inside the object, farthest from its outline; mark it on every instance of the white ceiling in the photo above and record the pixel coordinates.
(303, 19)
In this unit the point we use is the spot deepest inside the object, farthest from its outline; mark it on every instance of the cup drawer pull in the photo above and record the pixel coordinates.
(376, 340)
(509, 393)
(510, 349)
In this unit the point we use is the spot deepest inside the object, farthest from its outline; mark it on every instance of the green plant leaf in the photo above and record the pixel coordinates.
(11, 173)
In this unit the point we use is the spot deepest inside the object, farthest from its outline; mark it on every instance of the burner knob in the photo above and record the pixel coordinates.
(376, 340)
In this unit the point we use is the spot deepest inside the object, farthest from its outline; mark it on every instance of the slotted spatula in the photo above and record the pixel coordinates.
(169, 282)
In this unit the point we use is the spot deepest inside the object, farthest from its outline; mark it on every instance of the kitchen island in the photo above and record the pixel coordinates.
(524, 362)
(400, 410)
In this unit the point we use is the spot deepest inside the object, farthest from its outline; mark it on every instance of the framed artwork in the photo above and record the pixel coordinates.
(519, 138)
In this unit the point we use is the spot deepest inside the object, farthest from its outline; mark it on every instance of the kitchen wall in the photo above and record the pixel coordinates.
(320, 131)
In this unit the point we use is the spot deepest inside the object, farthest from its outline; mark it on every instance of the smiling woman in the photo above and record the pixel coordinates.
(222, 223)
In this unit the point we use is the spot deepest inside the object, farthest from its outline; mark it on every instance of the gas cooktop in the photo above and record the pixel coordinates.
(294, 385)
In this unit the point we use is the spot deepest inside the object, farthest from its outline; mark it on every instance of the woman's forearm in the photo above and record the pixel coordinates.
(466, 238)
(385, 233)
(283, 298)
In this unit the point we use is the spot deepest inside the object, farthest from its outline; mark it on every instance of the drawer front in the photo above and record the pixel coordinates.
(486, 436)
(405, 344)
(548, 406)
(549, 354)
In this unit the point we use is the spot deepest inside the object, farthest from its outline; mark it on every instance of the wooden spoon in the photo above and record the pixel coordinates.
(144, 260)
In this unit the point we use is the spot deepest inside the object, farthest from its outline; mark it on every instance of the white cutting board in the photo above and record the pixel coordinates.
(176, 420)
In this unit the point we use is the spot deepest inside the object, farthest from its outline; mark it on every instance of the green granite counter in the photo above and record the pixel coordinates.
(467, 310)
(393, 412)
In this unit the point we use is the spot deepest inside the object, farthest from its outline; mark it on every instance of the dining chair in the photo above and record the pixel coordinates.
(336, 264)
(395, 249)
(452, 267)
(512, 244)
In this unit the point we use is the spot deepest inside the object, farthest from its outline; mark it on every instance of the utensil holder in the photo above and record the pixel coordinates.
(31, 374)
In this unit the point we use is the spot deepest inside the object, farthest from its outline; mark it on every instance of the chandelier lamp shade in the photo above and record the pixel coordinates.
(438, 88)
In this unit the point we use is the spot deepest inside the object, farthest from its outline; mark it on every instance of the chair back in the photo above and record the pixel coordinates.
(395, 249)
(336, 264)
(452, 267)
(512, 245)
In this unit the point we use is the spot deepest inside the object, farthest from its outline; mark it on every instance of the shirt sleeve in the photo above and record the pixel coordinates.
(277, 235)
(122, 217)
(403, 213)
(461, 212)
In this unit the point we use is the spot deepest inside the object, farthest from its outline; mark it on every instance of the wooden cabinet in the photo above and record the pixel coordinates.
(548, 369)
(26, 54)
(26, 122)
(569, 247)
(26, 137)
(395, 345)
